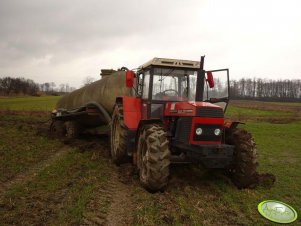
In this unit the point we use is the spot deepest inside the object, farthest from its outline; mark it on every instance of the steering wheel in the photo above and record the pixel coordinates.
(168, 90)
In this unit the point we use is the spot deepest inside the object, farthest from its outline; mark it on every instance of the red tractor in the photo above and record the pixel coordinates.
(175, 114)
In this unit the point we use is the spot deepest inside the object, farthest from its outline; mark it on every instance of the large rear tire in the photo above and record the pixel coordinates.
(243, 170)
(119, 137)
(153, 157)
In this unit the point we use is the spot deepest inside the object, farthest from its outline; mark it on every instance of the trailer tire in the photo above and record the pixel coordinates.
(119, 137)
(72, 129)
(153, 157)
(57, 129)
(243, 170)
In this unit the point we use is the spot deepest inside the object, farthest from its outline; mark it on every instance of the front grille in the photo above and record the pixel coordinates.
(208, 133)
(207, 112)
(183, 129)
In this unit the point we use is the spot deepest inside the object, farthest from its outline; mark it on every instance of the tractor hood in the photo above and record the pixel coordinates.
(192, 108)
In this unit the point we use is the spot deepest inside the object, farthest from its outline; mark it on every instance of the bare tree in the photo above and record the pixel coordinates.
(88, 80)
(52, 86)
(47, 86)
(66, 87)
(62, 88)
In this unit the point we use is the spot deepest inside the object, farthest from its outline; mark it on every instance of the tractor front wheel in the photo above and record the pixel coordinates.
(243, 170)
(153, 157)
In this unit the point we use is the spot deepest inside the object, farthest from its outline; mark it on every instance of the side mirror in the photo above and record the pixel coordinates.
(210, 79)
(129, 79)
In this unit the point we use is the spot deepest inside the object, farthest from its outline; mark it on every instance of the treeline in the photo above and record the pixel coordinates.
(20, 86)
(50, 87)
(261, 89)
(264, 89)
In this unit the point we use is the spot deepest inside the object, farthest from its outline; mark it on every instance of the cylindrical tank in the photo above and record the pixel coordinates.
(103, 92)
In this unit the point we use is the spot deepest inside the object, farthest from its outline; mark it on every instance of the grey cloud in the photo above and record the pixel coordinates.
(33, 29)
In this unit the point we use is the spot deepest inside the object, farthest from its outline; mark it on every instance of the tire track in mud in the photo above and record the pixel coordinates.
(112, 204)
(24, 177)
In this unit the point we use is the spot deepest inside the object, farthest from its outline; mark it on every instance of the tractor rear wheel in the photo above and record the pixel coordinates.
(153, 157)
(243, 171)
(119, 137)
(57, 129)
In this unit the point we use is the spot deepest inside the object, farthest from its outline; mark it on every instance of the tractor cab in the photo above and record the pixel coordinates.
(168, 80)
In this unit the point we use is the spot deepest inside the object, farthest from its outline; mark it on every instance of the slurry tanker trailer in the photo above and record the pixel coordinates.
(167, 111)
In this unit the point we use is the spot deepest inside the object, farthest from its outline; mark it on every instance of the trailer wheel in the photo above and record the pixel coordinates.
(57, 129)
(243, 170)
(72, 129)
(119, 137)
(153, 158)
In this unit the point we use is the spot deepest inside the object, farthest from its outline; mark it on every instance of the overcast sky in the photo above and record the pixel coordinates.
(65, 41)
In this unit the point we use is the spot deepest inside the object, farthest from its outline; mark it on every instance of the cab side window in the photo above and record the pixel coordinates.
(146, 85)
(139, 84)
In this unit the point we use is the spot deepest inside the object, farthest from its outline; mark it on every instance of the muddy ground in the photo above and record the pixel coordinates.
(74, 182)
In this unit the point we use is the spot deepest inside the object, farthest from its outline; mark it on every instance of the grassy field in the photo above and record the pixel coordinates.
(53, 182)
(44, 103)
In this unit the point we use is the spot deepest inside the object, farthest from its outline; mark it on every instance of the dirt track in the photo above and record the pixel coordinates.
(120, 207)
(112, 203)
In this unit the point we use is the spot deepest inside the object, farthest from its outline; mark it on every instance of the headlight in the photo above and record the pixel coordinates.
(198, 131)
(217, 132)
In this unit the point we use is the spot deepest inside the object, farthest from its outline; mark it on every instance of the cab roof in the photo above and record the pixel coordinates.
(171, 63)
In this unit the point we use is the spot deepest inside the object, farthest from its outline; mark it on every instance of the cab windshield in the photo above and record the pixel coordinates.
(174, 84)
